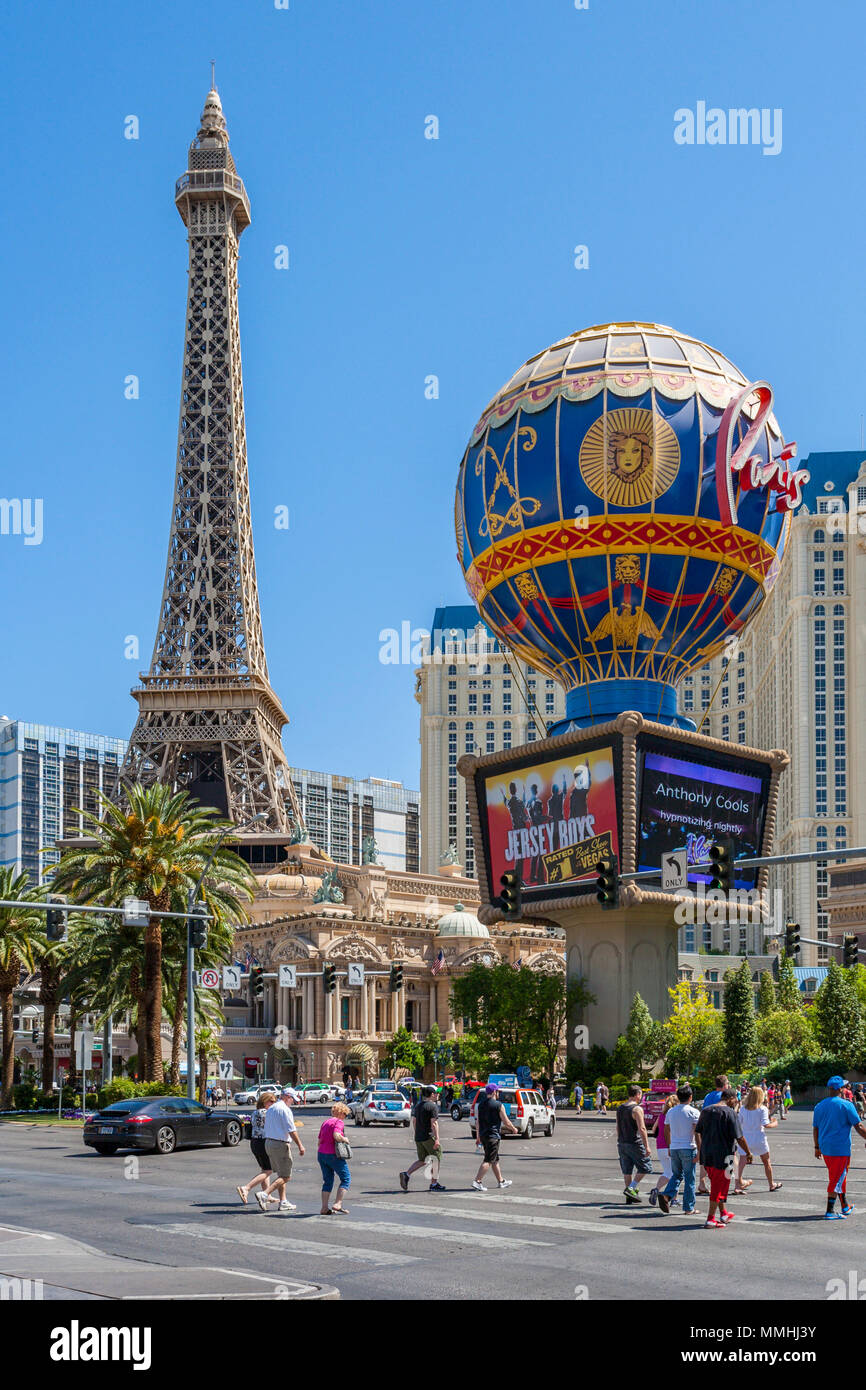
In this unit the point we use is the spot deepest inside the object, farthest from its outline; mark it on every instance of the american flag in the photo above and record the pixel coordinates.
(438, 964)
(518, 963)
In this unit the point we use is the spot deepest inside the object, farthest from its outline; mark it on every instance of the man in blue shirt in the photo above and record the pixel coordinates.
(832, 1123)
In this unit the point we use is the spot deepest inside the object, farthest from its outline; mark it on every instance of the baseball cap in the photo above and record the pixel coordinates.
(287, 1091)
(836, 1083)
(491, 1088)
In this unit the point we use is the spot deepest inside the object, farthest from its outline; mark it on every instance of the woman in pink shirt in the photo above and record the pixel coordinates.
(333, 1167)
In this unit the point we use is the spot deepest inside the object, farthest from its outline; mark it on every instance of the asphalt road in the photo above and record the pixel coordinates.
(561, 1232)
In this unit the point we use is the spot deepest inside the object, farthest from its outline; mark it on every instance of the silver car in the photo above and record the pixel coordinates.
(381, 1108)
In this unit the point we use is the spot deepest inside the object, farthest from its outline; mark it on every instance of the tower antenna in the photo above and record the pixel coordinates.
(212, 75)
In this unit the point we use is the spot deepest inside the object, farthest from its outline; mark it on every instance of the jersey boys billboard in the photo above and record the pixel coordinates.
(551, 821)
(688, 802)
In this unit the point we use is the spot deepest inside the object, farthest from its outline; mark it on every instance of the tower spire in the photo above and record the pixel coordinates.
(213, 85)
(209, 720)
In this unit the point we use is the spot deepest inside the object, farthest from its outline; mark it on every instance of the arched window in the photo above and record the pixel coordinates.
(452, 670)
(818, 537)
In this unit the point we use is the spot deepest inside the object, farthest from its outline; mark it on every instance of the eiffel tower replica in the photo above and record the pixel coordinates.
(209, 721)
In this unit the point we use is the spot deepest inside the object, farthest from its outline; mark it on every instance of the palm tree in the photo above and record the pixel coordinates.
(105, 967)
(154, 845)
(52, 970)
(225, 917)
(208, 1049)
(22, 941)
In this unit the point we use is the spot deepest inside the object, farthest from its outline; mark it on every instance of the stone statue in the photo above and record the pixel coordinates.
(369, 850)
(299, 835)
(450, 855)
(330, 890)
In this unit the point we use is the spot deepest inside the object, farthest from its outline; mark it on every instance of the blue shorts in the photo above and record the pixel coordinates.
(333, 1167)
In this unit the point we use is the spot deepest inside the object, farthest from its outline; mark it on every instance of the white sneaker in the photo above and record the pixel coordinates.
(262, 1201)
(287, 1206)
(506, 1182)
(479, 1187)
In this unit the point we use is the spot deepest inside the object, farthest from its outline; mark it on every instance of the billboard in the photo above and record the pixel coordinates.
(694, 797)
(551, 820)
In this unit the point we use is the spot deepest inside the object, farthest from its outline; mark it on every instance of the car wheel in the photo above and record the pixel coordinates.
(455, 1113)
(106, 1148)
(529, 1131)
(166, 1139)
(550, 1128)
(233, 1134)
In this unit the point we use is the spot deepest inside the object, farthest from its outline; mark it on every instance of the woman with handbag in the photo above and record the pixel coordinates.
(334, 1154)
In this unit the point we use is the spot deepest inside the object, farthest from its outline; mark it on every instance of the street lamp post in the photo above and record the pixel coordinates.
(191, 898)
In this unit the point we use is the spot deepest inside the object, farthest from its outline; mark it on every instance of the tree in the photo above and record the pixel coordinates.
(740, 1036)
(53, 965)
(403, 1051)
(208, 1048)
(784, 1031)
(689, 1026)
(643, 1035)
(154, 845)
(474, 1059)
(837, 1015)
(766, 993)
(499, 1001)
(21, 943)
(788, 991)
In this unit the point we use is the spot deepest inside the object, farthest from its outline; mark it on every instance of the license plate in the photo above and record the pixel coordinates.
(106, 1129)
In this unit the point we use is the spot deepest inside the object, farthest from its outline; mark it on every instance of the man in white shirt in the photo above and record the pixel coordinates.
(680, 1123)
(280, 1133)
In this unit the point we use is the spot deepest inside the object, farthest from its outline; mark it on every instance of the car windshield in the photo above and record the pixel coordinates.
(125, 1107)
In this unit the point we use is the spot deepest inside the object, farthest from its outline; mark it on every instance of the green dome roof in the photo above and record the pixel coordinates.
(461, 923)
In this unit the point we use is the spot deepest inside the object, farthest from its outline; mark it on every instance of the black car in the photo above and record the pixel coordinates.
(460, 1107)
(160, 1123)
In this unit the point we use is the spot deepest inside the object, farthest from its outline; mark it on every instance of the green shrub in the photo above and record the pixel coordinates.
(802, 1070)
(121, 1088)
(23, 1096)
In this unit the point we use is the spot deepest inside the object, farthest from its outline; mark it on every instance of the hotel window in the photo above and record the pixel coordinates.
(838, 580)
(819, 581)
(741, 728)
(491, 736)
(689, 699)
(531, 734)
(473, 704)
(486, 685)
(485, 703)
(818, 537)
(506, 734)
(726, 727)
(548, 703)
(473, 685)
(452, 704)
(506, 702)
(470, 737)
(452, 670)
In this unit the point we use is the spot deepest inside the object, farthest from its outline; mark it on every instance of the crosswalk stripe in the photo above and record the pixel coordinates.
(483, 1213)
(396, 1228)
(739, 1204)
(287, 1243)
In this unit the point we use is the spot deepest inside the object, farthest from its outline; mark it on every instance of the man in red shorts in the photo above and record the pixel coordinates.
(832, 1122)
(716, 1135)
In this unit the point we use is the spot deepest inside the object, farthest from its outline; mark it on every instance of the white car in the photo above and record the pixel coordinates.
(250, 1095)
(527, 1110)
(382, 1108)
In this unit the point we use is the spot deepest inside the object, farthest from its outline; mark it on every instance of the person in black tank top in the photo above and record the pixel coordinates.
(632, 1144)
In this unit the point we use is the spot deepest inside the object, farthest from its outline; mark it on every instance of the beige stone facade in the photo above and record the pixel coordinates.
(386, 917)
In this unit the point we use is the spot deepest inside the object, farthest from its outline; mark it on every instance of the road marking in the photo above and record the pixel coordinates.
(483, 1213)
(20, 1231)
(775, 1199)
(396, 1228)
(287, 1243)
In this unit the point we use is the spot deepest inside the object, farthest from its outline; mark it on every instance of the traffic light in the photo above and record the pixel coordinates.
(850, 950)
(55, 919)
(257, 983)
(396, 980)
(198, 928)
(607, 882)
(722, 858)
(792, 938)
(329, 977)
(509, 898)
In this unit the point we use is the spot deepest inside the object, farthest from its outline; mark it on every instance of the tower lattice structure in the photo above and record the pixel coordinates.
(209, 720)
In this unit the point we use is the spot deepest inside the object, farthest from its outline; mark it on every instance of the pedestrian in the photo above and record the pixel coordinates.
(280, 1133)
(602, 1095)
(632, 1144)
(859, 1100)
(716, 1134)
(847, 1093)
(209, 1095)
(680, 1123)
(755, 1120)
(788, 1100)
(333, 1156)
(490, 1116)
(428, 1145)
(711, 1098)
(658, 1130)
(257, 1146)
(832, 1122)
(218, 1095)
(550, 1097)
(578, 1097)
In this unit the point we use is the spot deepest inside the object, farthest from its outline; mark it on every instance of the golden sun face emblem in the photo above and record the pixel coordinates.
(629, 456)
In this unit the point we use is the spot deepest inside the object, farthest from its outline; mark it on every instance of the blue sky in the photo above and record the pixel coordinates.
(409, 257)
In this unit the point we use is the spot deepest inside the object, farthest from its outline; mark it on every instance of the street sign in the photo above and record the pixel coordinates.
(209, 979)
(231, 977)
(356, 974)
(288, 977)
(136, 912)
(226, 1070)
(761, 1061)
(675, 870)
(83, 1051)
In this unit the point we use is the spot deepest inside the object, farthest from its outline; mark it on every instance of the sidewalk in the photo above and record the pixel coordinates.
(69, 1269)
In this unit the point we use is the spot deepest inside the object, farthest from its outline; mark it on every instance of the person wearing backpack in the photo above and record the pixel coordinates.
(334, 1154)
